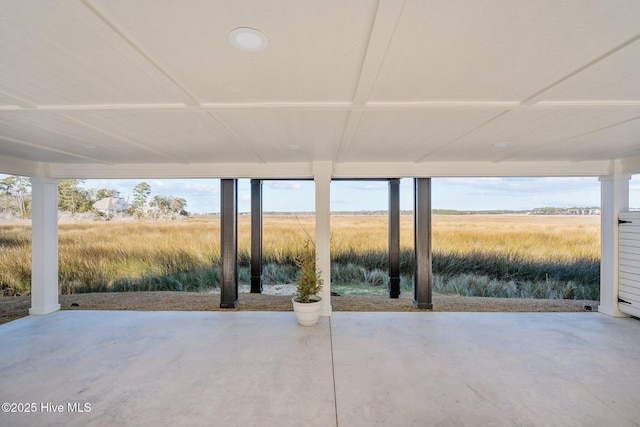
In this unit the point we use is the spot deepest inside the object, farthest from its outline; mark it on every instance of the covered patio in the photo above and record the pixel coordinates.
(353, 369)
(322, 90)
(391, 89)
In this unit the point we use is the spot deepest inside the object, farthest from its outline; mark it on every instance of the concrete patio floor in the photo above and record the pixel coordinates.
(355, 369)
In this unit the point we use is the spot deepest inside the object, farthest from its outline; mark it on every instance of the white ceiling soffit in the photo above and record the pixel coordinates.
(117, 87)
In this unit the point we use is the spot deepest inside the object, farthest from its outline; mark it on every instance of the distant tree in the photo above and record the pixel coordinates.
(178, 204)
(168, 205)
(73, 198)
(103, 193)
(141, 193)
(6, 191)
(22, 188)
(15, 191)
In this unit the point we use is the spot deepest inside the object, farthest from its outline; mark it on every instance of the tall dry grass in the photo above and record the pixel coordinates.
(517, 251)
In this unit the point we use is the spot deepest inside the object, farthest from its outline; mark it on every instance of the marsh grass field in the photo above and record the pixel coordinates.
(518, 256)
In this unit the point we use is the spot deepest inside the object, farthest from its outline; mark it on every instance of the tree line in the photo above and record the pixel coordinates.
(15, 199)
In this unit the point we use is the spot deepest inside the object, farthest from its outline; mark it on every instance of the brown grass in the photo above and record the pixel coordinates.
(110, 250)
(98, 253)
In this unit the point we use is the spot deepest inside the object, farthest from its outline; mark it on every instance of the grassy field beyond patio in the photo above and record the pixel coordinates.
(474, 255)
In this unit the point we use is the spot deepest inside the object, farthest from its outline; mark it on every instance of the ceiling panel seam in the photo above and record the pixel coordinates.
(470, 131)
(558, 141)
(531, 99)
(587, 104)
(426, 105)
(599, 156)
(19, 101)
(54, 150)
(113, 135)
(282, 106)
(190, 98)
(245, 146)
(384, 25)
(350, 128)
(114, 107)
(304, 106)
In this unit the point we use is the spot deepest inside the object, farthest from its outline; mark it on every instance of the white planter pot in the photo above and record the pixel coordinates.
(307, 314)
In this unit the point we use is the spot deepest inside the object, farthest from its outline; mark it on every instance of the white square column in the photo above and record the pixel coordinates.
(44, 246)
(614, 192)
(322, 172)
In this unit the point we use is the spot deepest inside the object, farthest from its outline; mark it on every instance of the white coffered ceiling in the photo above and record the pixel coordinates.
(130, 88)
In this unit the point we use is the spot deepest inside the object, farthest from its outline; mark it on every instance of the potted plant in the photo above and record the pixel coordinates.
(307, 304)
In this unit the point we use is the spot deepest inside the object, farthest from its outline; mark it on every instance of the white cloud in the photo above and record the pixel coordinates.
(372, 186)
(514, 193)
(283, 185)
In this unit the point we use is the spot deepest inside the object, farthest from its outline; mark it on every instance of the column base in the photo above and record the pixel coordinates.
(394, 287)
(256, 284)
(233, 304)
(44, 310)
(326, 312)
(423, 305)
(611, 312)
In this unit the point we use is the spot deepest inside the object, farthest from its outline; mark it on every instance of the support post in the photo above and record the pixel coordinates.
(394, 238)
(229, 242)
(322, 171)
(423, 280)
(614, 193)
(44, 246)
(256, 236)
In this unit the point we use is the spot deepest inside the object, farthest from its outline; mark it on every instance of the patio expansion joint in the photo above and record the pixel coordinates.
(333, 372)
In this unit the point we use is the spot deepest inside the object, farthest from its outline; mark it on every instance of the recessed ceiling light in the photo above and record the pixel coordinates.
(248, 39)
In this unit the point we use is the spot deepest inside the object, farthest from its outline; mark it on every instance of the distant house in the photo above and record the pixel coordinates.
(566, 211)
(111, 205)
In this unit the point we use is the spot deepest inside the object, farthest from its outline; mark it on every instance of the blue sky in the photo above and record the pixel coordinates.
(203, 195)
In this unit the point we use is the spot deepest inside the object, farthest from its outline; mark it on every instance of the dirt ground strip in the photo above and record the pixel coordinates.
(15, 307)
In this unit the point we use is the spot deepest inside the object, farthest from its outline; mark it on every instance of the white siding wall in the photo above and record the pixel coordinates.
(629, 263)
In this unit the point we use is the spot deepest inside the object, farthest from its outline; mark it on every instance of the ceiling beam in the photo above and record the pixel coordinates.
(11, 166)
(169, 108)
(350, 170)
(631, 165)
(384, 25)
(470, 169)
(334, 106)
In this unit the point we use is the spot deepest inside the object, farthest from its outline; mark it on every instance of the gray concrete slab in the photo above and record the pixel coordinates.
(168, 368)
(479, 369)
(386, 369)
